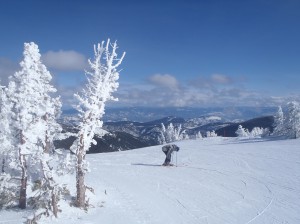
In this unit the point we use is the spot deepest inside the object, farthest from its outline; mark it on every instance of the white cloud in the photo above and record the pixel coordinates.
(166, 80)
(166, 91)
(221, 79)
(65, 60)
(212, 81)
(186, 96)
(191, 96)
(67, 95)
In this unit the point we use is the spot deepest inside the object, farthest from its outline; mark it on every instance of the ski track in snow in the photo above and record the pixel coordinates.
(217, 181)
(260, 213)
(229, 174)
(242, 163)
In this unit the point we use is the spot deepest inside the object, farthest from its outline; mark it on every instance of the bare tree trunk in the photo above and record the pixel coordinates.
(22, 159)
(3, 166)
(80, 173)
(47, 141)
(54, 203)
(50, 181)
(23, 195)
(47, 146)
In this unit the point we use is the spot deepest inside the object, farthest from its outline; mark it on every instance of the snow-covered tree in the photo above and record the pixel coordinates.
(185, 135)
(266, 132)
(256, 132)
(199, 135)
(171, 134)
(102, 82)
(34, 125)
(211, 134)
(23, 93)
(5, 133)
(259, 132)
(292, 124)
(8, 184)
(279, 122)
(288, 124)
(242, 132)
(50, 186)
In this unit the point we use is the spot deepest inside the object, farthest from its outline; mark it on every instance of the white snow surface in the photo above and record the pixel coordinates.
(217, 181)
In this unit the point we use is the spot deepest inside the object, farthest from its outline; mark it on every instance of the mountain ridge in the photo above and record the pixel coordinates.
(127, 135)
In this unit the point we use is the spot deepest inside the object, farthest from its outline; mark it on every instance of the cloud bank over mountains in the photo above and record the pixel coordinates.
(157, 90)
(164, 90)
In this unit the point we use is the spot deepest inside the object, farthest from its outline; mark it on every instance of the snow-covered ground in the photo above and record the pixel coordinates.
(217, 180)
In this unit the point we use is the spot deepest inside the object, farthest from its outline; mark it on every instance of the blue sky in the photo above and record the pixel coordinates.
(178, 53)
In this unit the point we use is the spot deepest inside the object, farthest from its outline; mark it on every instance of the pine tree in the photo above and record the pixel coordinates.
(292, 126)
(47, 129)
(279, 122)
(102, 82)
(5, 134)
(8, 185)
(199, 135)
(207, 134)
(33, 123)
(23, 92)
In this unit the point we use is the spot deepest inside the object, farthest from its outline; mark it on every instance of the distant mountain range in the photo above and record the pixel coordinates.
(262, 122)
(125, 135)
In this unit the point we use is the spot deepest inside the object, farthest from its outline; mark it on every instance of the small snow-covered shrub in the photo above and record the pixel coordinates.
(256, 132)
(242, 132)
(259, 132)
(211, 134)
(199, 135)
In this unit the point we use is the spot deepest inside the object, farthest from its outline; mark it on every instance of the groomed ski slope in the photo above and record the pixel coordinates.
(217, 181)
